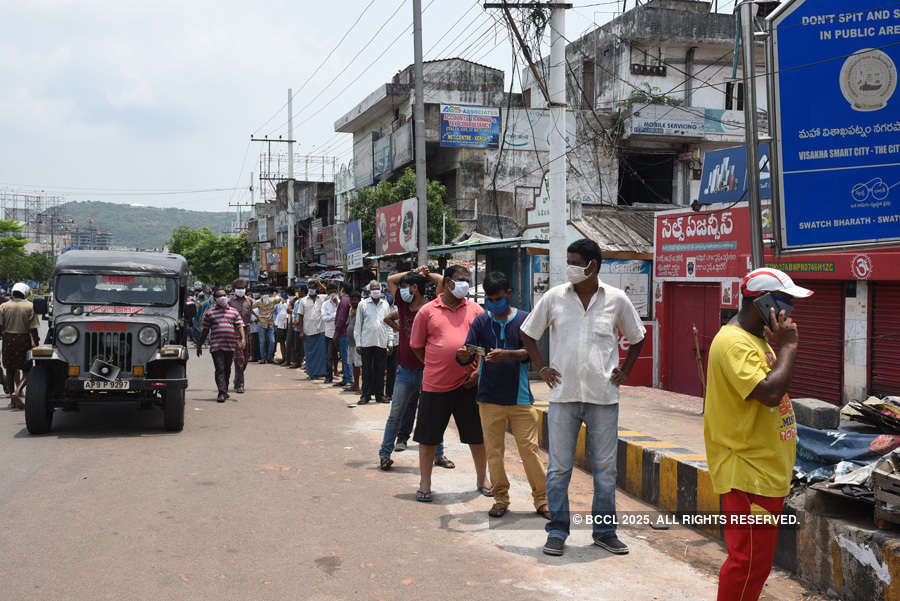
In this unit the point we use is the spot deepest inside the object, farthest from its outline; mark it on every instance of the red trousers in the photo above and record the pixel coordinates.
(751, 548)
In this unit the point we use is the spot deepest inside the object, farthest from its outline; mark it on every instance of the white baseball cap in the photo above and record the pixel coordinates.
(766, 279)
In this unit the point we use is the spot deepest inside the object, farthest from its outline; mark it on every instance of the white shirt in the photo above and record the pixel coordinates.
(584, 345)
(329, 312)
(281, 315)
(311, 310)
(370, 329)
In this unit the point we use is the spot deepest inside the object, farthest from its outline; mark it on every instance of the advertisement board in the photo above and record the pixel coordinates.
(705, 244)
(396, 227)
(529, 129)
(724, 176)
(470, 126)
(834, 76)
(353, 245)
(633, 277)
(665, 120)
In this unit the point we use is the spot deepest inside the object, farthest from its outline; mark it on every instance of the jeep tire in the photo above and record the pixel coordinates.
(173, 400)
(38, 409)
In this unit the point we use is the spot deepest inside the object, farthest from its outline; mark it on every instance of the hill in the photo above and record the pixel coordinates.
(143, 227)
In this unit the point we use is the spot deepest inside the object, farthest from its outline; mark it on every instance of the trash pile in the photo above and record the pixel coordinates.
(881, 413)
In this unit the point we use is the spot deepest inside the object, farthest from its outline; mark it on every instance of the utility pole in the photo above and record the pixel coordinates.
(419, 115)
(557, 89)
(238, 205)
(751, 131)
(290, 191)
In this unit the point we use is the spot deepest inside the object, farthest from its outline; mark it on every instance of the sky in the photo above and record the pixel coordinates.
(154, 103)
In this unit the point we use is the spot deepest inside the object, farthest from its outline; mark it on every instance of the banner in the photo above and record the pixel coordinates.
(724, 177)
(396, 227)
(470, 126)
(711, 244)
(353, 245)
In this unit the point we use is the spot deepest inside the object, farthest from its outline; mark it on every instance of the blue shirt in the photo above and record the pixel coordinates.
(505, 382)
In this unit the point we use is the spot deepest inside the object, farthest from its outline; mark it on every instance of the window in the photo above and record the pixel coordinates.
(646, 178)
(587, 76)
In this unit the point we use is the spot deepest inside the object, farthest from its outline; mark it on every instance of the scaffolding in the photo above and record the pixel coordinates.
(273, 168)
(43, 223)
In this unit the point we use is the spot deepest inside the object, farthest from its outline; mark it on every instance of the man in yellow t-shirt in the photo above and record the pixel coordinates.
(750, 430)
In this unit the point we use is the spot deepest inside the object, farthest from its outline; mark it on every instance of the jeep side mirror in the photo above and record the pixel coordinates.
(40, 305)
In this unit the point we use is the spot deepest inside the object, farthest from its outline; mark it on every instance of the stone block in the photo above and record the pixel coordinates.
(817, 414)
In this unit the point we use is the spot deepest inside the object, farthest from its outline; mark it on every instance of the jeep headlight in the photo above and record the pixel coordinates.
(67, 335)
(148, 336)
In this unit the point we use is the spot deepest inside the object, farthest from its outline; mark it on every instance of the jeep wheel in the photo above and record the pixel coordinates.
(38, 410)
(173, 400)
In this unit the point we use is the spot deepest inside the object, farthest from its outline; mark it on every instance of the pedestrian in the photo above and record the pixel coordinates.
(504, 395)
(201, 304)
(314, 331)
(749, 427)
(390, 360)
(408, 289)
(342, 316)
(254, 330)
(372, 337)
(244, 306)
(297, 327)
(289, 332)
(448, 388)
(266, 316)
(329, 314)
(225, 329)
(352, 352)
(585, 317)
(281, 326)
(19, 324)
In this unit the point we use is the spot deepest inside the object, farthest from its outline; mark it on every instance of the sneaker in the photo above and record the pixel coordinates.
(611, 543)
(385, 463)
(239, 389)
(382, 400)
(400, 446)
(220, 398)
(554, 546)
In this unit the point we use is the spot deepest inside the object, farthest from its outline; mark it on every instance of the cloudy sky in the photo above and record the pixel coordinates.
(123, 99)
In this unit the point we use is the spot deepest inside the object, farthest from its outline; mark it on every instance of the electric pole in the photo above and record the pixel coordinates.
(290, 190)
(238, 205)
(419, 116)
(751, 132)
(557, 89)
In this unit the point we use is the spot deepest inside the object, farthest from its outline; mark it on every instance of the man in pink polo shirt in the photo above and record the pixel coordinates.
(448, 388)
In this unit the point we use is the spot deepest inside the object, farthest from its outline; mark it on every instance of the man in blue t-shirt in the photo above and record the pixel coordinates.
(504, 394)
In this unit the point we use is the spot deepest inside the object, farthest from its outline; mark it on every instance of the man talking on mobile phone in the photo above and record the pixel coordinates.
(749, 427)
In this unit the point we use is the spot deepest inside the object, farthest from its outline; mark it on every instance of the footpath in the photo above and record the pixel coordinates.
(833, 548)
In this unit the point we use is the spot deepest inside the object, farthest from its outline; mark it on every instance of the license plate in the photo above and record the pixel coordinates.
(104, 385)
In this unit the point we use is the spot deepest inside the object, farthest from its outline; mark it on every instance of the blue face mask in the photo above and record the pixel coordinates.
(407, 295)
(497, 307)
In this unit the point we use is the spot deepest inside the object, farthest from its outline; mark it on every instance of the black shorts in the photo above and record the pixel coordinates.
(280, 334)
(435, 409)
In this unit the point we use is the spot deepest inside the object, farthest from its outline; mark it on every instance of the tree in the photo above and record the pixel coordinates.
(371, 198)
(12, 250)
(212, 259)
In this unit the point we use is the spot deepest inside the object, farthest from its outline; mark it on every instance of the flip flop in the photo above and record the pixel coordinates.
(498, 510)
(487, 491)
(444, 463)
(545, 513)
(423, 496)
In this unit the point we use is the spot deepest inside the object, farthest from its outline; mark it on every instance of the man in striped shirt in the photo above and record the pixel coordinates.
(225, 328)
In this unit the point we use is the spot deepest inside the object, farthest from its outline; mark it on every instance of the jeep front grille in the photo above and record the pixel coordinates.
(112, 347)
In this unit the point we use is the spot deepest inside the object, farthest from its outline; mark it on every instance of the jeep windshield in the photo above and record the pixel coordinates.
(102, 289)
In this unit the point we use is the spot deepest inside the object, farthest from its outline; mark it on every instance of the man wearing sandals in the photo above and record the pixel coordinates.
(19, 325)
(448, 388)
(504, 395)
(585, 317)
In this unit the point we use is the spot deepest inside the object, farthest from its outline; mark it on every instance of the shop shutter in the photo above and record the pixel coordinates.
(818, 372)
(885, 340)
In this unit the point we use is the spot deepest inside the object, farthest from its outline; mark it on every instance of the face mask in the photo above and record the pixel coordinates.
(576, 274)
(265, 300)
(460, 289)
(240, 292)
(407, 295)
(221, 300)
(375, 294)
(497, 307)
(313, 293)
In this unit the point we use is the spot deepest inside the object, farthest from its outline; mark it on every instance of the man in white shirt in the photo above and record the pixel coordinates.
(281, 323)
(313, 330)
(329, 313)
(585, 317)
(372, 338)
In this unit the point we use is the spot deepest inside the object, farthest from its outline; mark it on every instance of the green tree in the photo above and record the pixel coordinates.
(372, 198)
(12, 250)
(212, 259)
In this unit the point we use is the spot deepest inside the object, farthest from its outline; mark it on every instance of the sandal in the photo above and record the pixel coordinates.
(498, 510)
(423, 496)
(444, 462)
(487, 491)
(544, 511)
(386, 463)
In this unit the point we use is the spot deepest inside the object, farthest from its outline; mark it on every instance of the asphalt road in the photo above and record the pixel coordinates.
(276, 495)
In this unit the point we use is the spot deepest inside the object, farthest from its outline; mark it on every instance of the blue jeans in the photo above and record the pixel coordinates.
(267, 343)
(407, 387)
(563, 424)
(347, 378)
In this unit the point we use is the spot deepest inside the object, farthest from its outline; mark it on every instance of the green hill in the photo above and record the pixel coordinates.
(143, 227)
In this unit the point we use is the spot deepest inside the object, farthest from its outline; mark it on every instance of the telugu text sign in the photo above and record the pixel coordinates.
(838, 121)
(713, 244)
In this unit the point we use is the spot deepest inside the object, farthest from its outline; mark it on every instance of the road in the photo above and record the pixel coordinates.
(276, 495)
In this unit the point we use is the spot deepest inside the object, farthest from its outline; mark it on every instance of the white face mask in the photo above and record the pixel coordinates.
(240, 292)
(265, 300)
(221, 300)
(576, 273)
(460, 289)
(375, 294)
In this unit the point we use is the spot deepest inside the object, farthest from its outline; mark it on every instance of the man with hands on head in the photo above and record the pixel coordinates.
(585, 317)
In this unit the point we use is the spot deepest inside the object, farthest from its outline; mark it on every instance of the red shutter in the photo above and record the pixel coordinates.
(819, 370)
(885, 346)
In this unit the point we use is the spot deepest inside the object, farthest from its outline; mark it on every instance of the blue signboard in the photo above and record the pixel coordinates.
(838, 121)
(353, 245)
(724, 177)
(470, 126)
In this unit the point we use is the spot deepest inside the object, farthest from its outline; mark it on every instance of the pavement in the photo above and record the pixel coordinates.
(276, 495)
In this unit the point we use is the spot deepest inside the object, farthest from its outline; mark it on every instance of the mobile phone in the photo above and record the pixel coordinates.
(478, 350)
(768, 301)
